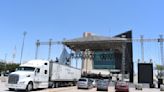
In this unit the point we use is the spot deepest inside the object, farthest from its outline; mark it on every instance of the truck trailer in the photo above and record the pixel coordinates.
(42, 74)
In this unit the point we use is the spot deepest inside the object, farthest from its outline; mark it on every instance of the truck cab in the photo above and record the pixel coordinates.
(31, 75)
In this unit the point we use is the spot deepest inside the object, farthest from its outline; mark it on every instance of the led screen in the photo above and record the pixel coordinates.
(104, 60)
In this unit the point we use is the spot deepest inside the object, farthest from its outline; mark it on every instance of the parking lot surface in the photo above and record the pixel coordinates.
(3, 88)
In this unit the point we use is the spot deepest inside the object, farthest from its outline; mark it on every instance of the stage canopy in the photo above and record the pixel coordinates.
(95, 43)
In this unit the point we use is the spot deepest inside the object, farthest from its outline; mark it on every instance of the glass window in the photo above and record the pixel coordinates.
(82, 80)
(45, 64)
(25, 69)
(45, 71)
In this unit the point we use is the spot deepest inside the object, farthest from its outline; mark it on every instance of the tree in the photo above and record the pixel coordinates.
(159, 69)
(4, 67)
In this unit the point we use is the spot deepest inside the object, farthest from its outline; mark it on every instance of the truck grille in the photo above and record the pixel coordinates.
(13, 79)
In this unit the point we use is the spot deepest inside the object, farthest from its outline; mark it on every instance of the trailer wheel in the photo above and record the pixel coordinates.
(74, 82)
(29, 87)
(11, 89)
(56, 85)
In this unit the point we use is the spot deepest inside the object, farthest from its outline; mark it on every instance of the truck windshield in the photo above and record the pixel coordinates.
(25, 69)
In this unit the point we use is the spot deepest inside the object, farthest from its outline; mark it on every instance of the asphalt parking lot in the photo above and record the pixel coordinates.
(3, 88)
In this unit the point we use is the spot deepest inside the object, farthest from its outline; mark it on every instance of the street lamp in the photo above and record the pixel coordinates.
(5, 61)
(24, 34)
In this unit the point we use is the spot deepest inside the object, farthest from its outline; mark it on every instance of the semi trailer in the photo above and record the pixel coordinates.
(42, 74)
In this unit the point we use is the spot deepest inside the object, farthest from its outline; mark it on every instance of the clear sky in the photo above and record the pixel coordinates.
(58, 19)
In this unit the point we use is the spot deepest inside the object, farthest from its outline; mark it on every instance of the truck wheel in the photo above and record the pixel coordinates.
(56, 85)
(11, 89)
(29, 87)
(97, 89)
(74, 83)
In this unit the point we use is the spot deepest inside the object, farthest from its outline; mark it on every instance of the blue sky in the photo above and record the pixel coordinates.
(58, 19)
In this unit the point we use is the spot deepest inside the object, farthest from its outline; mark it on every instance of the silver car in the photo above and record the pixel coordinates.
(84, 83)
(102, 85)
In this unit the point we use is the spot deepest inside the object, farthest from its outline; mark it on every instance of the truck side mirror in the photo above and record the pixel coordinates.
(37, 71)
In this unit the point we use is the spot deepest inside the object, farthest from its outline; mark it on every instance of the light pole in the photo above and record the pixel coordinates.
(14, 55)
(123, 60)
(37, 49)
(5, 61)
(161, 48)
(24, 34)
(49, 52)
(142, 49)
(123, 57)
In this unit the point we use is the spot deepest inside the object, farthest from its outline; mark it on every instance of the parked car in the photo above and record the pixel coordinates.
(121, 86)
(102, 85)
(138, 86)
(84, 83)
(94, 82)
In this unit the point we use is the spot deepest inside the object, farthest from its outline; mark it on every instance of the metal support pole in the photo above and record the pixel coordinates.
(87, 59)
(142, 49)
(5, 61)
(76, 57)
(14, 55)
(37, 48)
(161, 49)
(49, 52)
(138, 60)
(76, 62)
(24, 34)
(123, 59)
(82, 59)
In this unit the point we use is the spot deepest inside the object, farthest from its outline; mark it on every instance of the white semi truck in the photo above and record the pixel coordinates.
(42, 74)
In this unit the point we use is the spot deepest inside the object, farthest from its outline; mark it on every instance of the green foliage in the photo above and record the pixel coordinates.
(2, 66)
(159, 69)
(8, 67)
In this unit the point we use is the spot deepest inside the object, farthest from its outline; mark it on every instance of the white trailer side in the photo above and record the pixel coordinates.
(63, 74)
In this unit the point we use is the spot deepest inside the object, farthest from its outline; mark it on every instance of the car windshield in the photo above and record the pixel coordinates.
(25, 69)
(82, 80)
(102, 81)
(121, 83)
